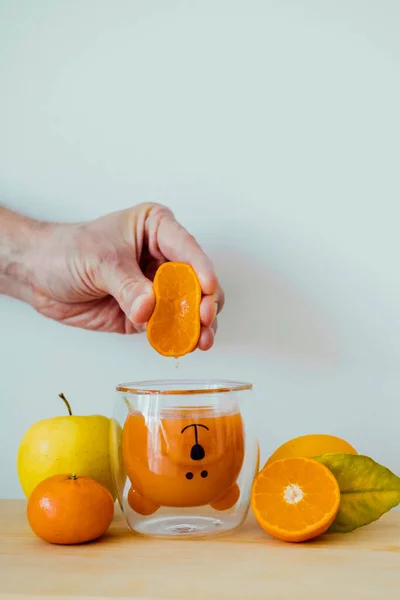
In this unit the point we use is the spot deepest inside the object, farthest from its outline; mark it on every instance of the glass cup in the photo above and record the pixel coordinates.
(183, 455)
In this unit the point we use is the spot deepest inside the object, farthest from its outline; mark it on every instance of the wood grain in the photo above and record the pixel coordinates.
(246, 564)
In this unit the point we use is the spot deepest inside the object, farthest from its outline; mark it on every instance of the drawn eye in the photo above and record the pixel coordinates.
(189, 475)
(204, 474)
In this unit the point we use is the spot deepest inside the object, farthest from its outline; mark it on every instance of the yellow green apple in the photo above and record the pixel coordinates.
(65, 444)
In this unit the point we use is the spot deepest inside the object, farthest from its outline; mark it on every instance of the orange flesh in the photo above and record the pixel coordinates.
(294, 499)
(174, 327)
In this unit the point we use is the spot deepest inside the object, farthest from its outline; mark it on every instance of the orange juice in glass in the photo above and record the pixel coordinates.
(183, 455)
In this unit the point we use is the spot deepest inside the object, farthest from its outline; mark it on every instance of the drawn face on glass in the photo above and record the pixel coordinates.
(183, 459)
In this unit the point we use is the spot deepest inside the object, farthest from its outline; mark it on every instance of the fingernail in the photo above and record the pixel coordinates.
(138, 301)
(215, 309)
(137, 307)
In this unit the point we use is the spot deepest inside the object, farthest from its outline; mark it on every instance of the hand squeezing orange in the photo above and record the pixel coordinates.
(174, 327)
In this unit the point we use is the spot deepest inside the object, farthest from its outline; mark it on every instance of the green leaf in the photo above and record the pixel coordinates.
(367, 490)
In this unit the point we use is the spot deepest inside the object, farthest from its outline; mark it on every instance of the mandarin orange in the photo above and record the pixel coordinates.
(174, 327)
(65, 509)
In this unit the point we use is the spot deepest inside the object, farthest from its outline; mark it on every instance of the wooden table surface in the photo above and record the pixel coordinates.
(246, 565)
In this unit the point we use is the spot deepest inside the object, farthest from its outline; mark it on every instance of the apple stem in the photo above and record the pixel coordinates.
(73, 476)
(66, 403)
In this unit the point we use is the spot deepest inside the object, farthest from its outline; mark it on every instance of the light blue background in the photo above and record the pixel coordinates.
(272, 130)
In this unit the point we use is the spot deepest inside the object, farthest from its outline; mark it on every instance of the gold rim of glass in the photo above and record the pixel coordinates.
(183, 387)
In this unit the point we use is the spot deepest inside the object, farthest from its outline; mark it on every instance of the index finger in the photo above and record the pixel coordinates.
(177, 244)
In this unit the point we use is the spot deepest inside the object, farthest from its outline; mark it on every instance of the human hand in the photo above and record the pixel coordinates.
(98, 275)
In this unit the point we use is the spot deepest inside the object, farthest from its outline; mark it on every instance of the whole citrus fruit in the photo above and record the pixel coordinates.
(310, 446)
(65, 509)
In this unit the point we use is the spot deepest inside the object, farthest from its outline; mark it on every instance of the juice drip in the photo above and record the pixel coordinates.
(177, 363)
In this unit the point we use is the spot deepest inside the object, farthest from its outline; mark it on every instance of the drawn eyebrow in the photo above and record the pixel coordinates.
(195, 425)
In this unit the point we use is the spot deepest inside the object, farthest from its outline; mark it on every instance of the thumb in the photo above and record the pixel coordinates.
(132, 290)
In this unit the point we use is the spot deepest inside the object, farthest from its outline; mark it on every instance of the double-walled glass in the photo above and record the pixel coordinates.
(184, 455)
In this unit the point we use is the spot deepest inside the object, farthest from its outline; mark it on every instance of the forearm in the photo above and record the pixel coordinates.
(18, 235)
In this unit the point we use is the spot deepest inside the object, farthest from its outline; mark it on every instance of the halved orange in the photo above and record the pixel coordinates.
(295, 499)
(174, 327)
